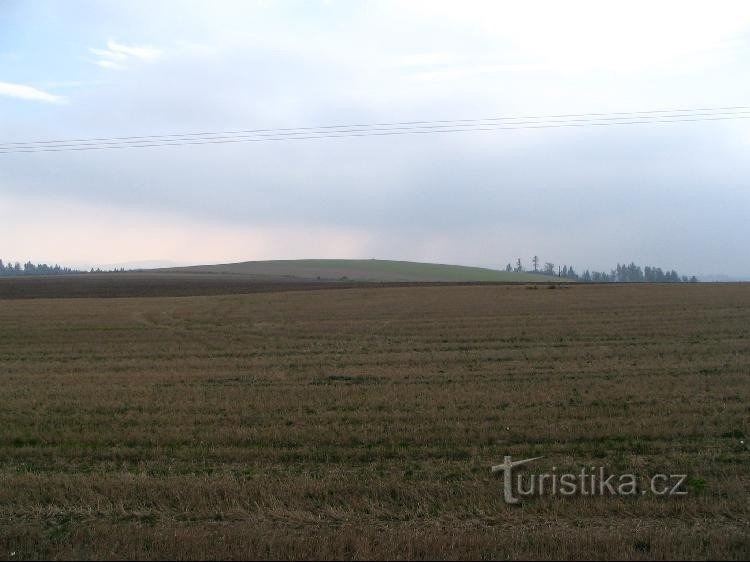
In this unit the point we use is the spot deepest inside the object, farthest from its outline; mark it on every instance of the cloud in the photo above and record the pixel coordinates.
(21, 91)
(93, 234)
(587, 35)
(143, 53)
(194, 48)
(109, 64)
(425, 59)
(116, 54)
(465, 71)
(478, 198)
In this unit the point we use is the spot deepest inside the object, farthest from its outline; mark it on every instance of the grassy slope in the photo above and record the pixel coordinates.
(363, 270)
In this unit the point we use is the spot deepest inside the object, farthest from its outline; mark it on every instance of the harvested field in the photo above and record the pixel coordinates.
(165, 284)
(362, 422)
(143, 284)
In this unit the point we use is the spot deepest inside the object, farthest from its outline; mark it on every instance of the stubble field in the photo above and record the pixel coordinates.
(363, 422)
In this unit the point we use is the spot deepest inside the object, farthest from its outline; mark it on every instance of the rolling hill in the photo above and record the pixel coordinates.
(361, 270)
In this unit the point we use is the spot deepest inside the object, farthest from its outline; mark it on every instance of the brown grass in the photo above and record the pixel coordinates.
(361, 423)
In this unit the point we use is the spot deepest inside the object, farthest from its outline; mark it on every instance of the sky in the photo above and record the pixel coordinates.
(672, 195)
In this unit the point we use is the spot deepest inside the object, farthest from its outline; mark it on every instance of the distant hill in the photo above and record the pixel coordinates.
(361, 270)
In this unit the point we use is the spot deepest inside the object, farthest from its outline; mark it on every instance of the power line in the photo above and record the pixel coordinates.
(350, 133)
(446, 122)
(436, 125)
(364, 134)
(383, 129)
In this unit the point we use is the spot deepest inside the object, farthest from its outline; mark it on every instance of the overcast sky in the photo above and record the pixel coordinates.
(675, 195)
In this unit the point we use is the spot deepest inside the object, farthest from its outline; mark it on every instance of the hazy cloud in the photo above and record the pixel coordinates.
(116, 54)
(23, 92)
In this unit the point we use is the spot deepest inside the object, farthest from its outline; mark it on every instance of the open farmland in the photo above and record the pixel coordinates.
(362, 422)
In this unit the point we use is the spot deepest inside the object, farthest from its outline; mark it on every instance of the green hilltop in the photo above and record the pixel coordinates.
(363, 270)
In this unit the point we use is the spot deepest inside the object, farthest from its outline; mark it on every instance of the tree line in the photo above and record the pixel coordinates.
(11, 269)
(623, 273)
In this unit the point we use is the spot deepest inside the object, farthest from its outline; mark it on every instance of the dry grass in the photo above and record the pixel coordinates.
(361, 423)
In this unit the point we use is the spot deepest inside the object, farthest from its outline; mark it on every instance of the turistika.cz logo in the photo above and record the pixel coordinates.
(590, 481)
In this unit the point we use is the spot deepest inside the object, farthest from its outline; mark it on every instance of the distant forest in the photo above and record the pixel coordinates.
(621, 274)
(12, 269)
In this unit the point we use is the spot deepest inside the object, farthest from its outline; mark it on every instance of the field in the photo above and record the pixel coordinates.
(362, 422)
(147, 284)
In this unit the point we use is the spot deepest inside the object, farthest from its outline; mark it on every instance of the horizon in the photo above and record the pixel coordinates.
(161, 264)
